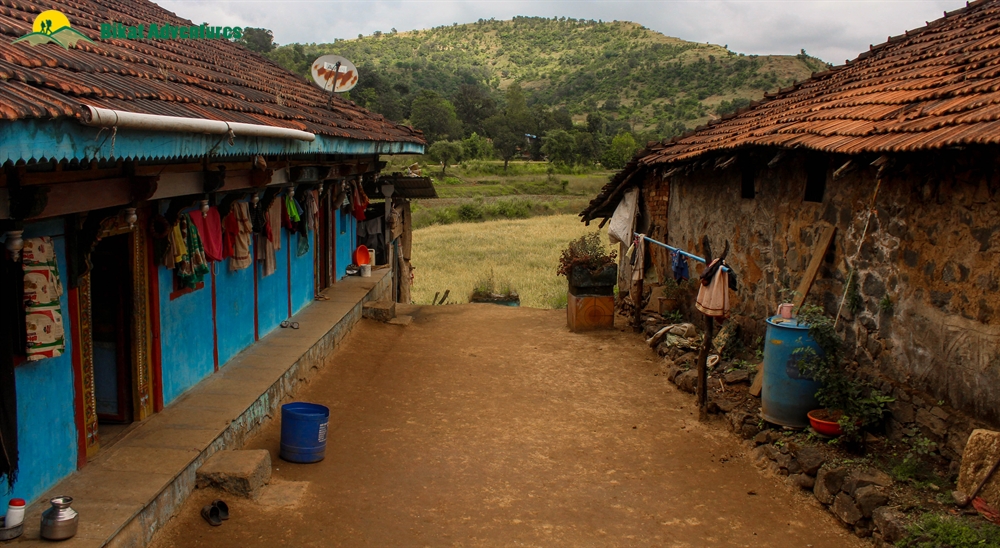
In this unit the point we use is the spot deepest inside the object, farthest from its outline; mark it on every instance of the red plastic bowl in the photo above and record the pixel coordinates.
(822, 426)
(361, 255)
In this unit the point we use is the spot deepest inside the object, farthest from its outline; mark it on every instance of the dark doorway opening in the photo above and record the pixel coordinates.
(111, 313)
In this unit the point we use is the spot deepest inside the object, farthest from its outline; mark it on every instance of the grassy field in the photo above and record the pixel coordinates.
(481, 190)
(524, 253)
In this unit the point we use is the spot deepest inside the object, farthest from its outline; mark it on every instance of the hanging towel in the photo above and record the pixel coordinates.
(679, 265)
(713, 299)
(242, 229)
(639, 263)
(209, 227)
(177, 244)
(274, 220)
(312, 209)
(42, 289)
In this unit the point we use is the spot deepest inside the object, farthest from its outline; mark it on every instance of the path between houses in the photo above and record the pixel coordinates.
(482, 425)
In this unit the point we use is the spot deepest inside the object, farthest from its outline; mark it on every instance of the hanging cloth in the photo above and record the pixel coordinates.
(312, 209)
(639, 260)
(258, 217)
(192, 268)
(679, 266)
(42, 289)
(209, 227)
(623, 220)
(241, 229)
(359, 202)
(274, 222)
(269, 240)
(713, 299)
(293, 209)
(177, 245)
(9, 272)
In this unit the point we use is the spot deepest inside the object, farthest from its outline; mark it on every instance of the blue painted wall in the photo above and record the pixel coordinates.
(303, 273)
(46, 425)
(345, 231)
(234, 309)
(272, 291)
(186, 335)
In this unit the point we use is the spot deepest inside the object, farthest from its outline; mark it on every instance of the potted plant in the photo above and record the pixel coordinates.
(489, 289)
(672, 291)
(589, 266)
(849, 404)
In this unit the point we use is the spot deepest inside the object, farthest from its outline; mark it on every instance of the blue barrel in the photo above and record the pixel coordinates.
(787, 397)
(303, 431)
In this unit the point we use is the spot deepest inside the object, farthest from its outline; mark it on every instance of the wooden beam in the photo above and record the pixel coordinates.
(83, 196)
(817, 259)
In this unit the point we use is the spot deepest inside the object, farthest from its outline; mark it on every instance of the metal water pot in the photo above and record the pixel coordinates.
(60, 521)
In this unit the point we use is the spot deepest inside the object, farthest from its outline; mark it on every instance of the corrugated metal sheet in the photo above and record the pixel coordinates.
(66, 139)
(934, 87)
(212, 79)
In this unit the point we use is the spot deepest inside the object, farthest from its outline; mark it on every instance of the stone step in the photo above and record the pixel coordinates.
(382, 311)
(243, 473)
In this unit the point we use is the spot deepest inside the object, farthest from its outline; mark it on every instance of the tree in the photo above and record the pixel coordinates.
(597, 124)
(506, 140)
(435, 116)
(622, 148)
(474, 104)
(508, 128)
(445, 152)
(476, 147)
(559, 146)
(259, 40)
(588, 148)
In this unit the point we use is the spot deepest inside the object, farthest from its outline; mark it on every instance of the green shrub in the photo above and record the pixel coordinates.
(934, 531)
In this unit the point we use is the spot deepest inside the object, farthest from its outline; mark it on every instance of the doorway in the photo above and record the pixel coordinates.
(111, 302)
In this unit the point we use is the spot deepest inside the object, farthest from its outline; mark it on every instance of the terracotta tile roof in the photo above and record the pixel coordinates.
(212, 79)
(937, 86)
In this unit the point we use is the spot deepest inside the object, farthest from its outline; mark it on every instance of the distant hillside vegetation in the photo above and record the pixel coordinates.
(632, 78)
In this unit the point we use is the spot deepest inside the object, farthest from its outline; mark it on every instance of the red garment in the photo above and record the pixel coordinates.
(360, 202)
(230, 231)
(210, 230)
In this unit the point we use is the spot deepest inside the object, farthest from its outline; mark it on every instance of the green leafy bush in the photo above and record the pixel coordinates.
(935, 531)
(860, 403)
(587, 251)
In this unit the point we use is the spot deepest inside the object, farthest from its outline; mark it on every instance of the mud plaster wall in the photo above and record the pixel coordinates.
(933, 249)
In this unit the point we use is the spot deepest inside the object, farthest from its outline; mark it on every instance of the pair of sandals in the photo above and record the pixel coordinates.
(215, 513)
(293, 325)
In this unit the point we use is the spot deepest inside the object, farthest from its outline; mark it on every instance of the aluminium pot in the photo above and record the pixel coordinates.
(60, 521)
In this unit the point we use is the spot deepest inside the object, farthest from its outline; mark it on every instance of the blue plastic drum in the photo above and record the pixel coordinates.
(303, 431)
(787, 397)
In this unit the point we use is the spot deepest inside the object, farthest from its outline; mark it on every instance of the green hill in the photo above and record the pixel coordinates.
(629, 70)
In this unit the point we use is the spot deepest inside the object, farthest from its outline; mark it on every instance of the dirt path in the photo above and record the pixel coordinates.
(480, 425)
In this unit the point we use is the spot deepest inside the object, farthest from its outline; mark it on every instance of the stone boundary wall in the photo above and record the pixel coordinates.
(926, 327)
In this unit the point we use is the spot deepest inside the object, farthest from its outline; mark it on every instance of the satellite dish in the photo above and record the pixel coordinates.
(334, 73)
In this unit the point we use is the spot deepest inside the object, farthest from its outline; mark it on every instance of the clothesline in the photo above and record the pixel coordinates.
(680, 251)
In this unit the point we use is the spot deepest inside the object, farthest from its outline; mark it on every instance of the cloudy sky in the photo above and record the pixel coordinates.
(831, 30)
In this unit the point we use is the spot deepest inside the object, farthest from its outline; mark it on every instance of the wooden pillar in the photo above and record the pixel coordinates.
(702, 391)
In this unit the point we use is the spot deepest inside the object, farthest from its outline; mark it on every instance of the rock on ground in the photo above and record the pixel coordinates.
(242, 473)
(981, 452)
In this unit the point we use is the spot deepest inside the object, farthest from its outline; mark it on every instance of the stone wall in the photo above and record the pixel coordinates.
(927, 275)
